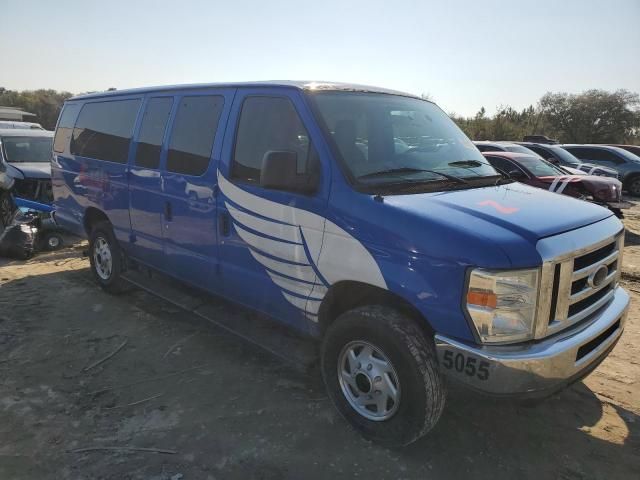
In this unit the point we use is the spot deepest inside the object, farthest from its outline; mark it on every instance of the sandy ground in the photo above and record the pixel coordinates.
(211, 406)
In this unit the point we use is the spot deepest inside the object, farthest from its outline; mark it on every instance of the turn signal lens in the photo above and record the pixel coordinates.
(482, 299)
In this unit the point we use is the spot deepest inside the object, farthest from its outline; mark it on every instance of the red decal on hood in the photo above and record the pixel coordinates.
(498, 207)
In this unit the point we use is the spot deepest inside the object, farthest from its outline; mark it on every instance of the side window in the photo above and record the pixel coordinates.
(194, 130)
(594, 154)
(269, 123)
(503, 165)
(103, 130)
(540, 151)
(65, 127)
(154, 122)
(608, 156)
(578, 152)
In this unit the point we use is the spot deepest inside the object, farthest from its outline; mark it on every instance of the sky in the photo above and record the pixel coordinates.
(464, 54)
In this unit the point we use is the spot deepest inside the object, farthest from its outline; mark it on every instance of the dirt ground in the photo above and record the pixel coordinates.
(211, 406)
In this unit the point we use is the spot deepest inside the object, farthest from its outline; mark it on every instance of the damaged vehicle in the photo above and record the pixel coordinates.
(360, 216)
(17, 234)
(26, 157)
(534, 171)
(27, 227)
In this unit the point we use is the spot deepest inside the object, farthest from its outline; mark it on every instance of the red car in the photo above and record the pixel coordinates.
(534, 171)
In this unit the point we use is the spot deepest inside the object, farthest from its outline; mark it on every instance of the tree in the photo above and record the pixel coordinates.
(46, 104)
(594, 116)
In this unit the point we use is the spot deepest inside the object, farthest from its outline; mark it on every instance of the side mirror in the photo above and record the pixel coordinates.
(279, 171)
(553, 160)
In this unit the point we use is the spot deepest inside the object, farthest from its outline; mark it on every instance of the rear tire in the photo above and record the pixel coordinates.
(106, 258)
(408, 363)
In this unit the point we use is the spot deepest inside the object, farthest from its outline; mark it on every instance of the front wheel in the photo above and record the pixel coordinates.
(52, 241)
(633, 186)
(106, 258)
(381, 373)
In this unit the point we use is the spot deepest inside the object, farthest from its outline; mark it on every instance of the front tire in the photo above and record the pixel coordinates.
(106, 258)
(633, 186)
(382, 375)
(52, 241)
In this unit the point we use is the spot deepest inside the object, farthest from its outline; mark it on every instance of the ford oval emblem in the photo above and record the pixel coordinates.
(598, 276)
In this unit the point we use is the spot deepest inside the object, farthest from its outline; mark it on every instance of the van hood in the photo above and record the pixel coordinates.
(527, 211)
(30, 170)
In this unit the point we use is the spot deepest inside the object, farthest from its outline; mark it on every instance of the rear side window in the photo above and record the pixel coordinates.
(267, 123)
(540, 151)
(194, 131)
(65, 127)
(594, 154)
(103, 130)
(154, 123)
(502, 164)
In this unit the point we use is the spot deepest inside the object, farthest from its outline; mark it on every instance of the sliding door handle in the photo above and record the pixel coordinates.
(225, 225)
(168, 212)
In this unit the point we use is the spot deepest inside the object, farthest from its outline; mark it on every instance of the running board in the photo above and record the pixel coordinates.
(252, 327)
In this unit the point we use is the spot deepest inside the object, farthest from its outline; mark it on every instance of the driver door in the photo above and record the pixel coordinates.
(270, 239)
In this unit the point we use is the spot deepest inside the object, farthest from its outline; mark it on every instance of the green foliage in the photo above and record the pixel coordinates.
(595, 116)
(46, 104)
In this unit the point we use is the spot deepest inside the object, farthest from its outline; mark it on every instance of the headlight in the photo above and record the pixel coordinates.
(502, 304)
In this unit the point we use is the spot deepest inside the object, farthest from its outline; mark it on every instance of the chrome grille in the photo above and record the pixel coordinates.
(578, 286)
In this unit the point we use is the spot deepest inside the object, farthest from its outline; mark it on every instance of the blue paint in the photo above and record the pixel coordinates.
(422, 243)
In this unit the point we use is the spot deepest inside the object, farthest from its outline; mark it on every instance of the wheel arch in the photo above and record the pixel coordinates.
(630, 177)
(347, 295)
(93, 215)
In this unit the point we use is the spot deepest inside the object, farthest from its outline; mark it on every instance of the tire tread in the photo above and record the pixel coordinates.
(420, 348)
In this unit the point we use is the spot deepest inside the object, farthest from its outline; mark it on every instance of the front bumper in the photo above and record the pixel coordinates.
(620, 205)
(537, 368)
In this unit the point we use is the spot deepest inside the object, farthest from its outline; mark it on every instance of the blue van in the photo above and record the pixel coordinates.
(360, 216)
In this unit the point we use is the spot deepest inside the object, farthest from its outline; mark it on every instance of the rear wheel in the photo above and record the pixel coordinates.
(381, 373)
(105, 257)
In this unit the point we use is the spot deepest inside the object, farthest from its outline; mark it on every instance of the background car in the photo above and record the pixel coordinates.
(559, 156)
(26, 157)
(486, 146)
(635, 149)
(20, 125)
(499, 146)
(534, 171)
(540, 139)
(624, 162)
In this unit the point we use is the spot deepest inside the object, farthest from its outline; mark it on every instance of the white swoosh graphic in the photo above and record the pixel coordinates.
(304, 253)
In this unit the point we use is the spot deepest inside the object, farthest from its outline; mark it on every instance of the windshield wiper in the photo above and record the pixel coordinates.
(401, 170)
(467, 163)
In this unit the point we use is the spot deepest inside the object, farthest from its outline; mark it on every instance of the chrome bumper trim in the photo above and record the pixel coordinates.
(541, 367)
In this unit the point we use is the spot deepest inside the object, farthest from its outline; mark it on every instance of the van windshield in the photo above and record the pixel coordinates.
(385, 139)
(27, 149)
